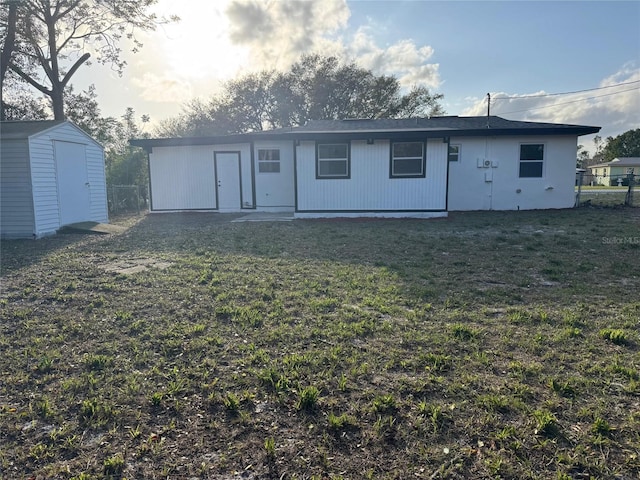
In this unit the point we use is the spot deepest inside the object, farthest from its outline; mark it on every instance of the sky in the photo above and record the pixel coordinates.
(521, 52)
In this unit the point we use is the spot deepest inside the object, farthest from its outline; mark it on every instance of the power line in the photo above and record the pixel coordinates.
(572, 101)
(515, 97)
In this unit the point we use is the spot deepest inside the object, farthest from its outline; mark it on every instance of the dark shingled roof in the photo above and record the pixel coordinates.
(24, 129)
(388, 128)
(427, 124)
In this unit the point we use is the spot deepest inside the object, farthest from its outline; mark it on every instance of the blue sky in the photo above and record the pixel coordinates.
(515, 47)
(460, 49)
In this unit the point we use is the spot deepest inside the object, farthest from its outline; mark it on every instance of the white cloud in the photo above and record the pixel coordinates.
(404, 59)
(615, 109)
(278, 33)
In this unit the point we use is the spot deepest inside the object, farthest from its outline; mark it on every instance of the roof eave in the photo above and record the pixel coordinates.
(361, 135)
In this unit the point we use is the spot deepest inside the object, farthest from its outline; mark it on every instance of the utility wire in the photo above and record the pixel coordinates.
(572, 101)
(514, 97)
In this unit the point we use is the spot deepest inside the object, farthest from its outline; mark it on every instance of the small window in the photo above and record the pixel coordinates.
(268, 160)
(332, 160)
(407, 159)
(454, 153)
(531, 160)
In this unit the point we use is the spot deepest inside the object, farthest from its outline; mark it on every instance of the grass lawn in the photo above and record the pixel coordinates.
(609, 198)
(485, 345)
(587, 188)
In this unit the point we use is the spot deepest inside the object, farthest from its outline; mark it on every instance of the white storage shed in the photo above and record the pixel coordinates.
(51, 174)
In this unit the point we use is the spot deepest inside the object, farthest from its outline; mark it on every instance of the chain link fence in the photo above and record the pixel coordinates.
(607, 190)
(127, 198)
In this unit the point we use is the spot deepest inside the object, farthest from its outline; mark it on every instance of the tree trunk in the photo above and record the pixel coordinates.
(57, 101)
(7, 51)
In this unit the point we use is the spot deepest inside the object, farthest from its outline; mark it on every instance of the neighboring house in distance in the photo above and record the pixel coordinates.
(418, 167)
(51, 174)
(615, 172)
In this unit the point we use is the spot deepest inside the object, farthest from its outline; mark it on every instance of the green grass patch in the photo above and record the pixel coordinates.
(485, 345)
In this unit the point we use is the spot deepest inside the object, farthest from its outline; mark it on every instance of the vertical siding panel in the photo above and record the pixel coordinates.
(16, 200)
(182, 178)
(44, 185)
(370, 188)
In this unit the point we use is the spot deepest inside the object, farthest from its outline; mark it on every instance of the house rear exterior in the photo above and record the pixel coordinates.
(51, 174)
(386, 167)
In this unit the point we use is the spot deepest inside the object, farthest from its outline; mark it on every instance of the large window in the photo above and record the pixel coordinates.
(531, 160)
(268, 160)
(407, 159)
(332, 160)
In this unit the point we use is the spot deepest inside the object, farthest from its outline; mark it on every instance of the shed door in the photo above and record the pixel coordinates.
(228, 191)
(73, 184)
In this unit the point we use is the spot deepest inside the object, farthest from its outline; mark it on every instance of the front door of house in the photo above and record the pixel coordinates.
(228, 192)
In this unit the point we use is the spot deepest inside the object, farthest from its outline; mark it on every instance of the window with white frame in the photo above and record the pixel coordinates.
(332, 160)
(531, 160)
(268, 160)
(407, 159)
(454, 153)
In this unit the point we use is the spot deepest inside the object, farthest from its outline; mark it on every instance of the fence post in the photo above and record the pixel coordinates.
(628, 200)
(580, 177)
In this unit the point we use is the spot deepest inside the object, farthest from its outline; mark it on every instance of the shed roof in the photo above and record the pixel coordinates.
(446, 126)
(17, 130)
(24, 129)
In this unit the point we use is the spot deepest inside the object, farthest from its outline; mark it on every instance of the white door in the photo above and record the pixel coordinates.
(73, 183)
(228, 191)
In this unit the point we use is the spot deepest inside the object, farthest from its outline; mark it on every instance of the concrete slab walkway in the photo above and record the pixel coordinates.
(265, 217)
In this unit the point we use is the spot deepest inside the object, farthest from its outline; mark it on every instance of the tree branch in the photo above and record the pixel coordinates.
(29, 80)
(75, 67)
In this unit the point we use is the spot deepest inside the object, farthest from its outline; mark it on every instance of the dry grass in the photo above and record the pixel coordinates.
(486, 345)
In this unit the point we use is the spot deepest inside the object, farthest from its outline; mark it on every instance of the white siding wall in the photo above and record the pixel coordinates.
(183, 177)
(16, 200)
(44, 186)
(370, 189)
(43, 176)
(275, 191)
(499, 187)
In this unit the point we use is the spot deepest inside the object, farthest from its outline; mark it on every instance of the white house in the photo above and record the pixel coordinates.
(51, 174)
(419, 167)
